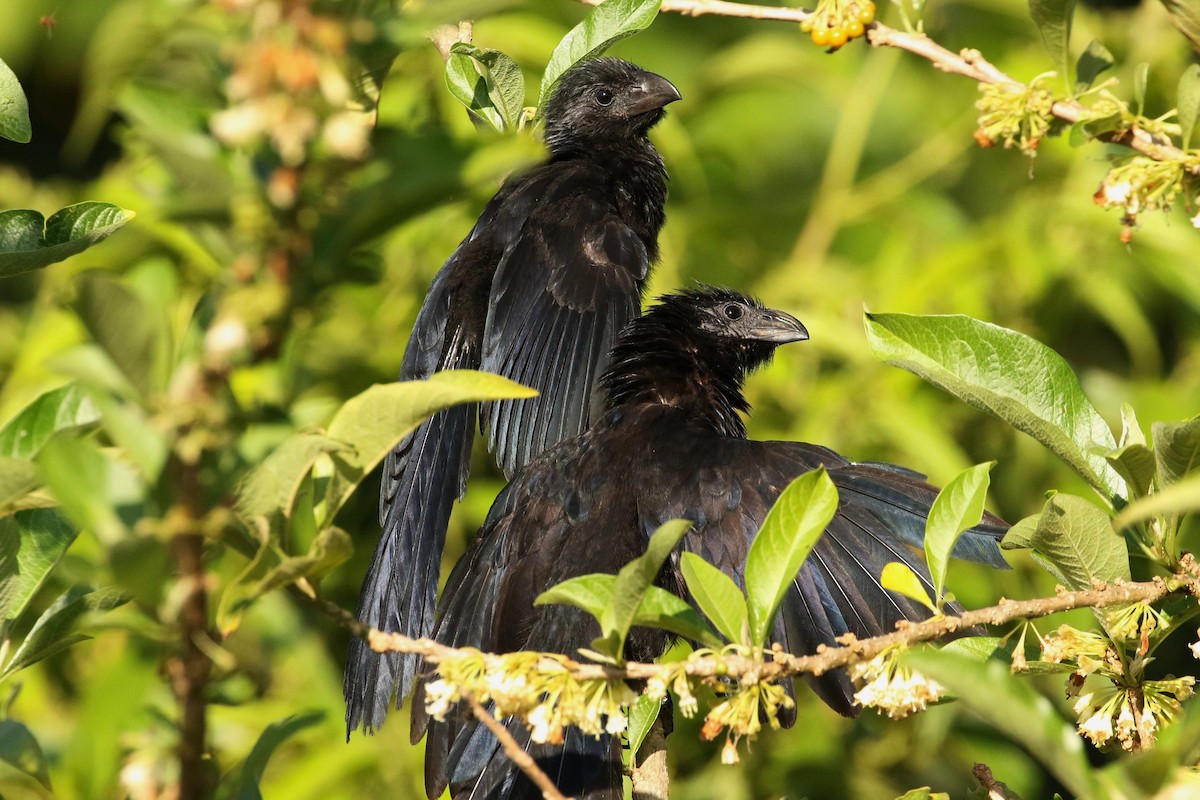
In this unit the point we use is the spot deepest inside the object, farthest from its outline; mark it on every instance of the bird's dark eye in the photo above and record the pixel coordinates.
(604, 97)
(733, 311)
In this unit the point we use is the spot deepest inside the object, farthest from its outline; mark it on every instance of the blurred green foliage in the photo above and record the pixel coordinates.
(283, 244)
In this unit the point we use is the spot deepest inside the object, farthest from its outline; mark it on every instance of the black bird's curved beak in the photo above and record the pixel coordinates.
(777, 327)
(651, 94)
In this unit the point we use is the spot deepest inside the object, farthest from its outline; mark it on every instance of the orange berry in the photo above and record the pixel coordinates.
(820, 36)
(837, 37)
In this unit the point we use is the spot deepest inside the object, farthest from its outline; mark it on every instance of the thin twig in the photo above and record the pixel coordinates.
(969, 63)
(852, 651)
(516, 754)
(994, 788)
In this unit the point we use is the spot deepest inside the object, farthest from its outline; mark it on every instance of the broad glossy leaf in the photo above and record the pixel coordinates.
(1136, 464)
(642, 715)
(1176, 448)
(633, 581)
(14, 108)
(18, 477)
(503, 82)
(374, 421)
(1077, 541)
(1178, 498)
(957, 508)
(243, 782)
(718, 597)
(53, 630)
(65, 408)
(1188, 98)
(21, 751)
(78, 476)
(788, 534)
(659, 608)
(471, 89)
(1008, 374)
(1053, 20)
(604, 26)
(1011, 705)
(1020, 536)
(31, 545)
(29, 241)
(270, 490)
(899, 577)
(1092, 61)
(133, 334)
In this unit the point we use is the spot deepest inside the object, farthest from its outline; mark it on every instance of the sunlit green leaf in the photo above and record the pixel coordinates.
(18, 476)
(29, 241)
(979, 648)
(53, 630)
(1092, 61)
(1176, 448)
(957, 508)
(133, 334)
(924, 793)
(1135, 463)
(788, 534)
(1188, 98)
(78, 476)
(899, 577)
(1012, 706)
(31, 545)
(65, 408)
(1053, 19)
(270, 489)
(243, 782)
(132, 430)
(1178, 498)
(1077, 541)
(1020, 536)
(1007, 374)
(1141, 74)
(604, 26)
(718, 597)
(633, 581)
(14, 108)
(503, 82)
(591, 593)
(471, 89)
(642, 715)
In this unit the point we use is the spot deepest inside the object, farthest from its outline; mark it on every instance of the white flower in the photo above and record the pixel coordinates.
(1084, 702)
(1098, 728)
(545, 728)
(729, 753)
(439, 697)
(616, 723)
(1196, 224)
(1195, 646)
(1118, 193)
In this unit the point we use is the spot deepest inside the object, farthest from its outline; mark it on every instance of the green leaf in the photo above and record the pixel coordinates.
(899, 577)
(18, 477)
(134, 335)
(1188, 98)
(503, 82)
(980, 648)
(78, 474)
(29, 241)
(604, 26)
(1011, 705)
(243, 782)
(957, 508)
(270, 490)
(31, 545)
(1053, 20)
(1141, 74)
(65, 408)
(718, 597)
(1176, 449)
(1092, 61)
(658, 609)
(1178, 498)
(14, 108)
(1008, 374)
(924, 793)
(52, 631)
(1077, 541)
(633, 581)
(374, 421)
(1136, 465)
(21, 751)
(642, 715)
(788, 534)
(1020, 536)
(132, 430)
(470, 88)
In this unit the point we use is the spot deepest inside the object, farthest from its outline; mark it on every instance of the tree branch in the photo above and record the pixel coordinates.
(514, 751)
(969, 63)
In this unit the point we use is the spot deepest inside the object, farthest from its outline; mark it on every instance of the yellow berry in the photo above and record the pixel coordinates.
(820, 36)
(806, 25)
(837, 37)
(854, 29)
(866, 14)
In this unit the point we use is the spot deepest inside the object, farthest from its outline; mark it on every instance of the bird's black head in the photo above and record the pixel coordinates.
(695, 348)
(605, 100)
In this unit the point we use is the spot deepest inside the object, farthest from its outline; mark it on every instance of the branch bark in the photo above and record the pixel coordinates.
(515, 752)
(651, 781)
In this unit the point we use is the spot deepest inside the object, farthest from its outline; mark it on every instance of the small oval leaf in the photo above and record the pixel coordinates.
(898, 577)
(956, 509)
(717, 595)
(29, 242)
(14, 107)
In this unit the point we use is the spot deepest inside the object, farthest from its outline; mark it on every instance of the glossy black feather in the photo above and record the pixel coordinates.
(671, 444)
(553, 268)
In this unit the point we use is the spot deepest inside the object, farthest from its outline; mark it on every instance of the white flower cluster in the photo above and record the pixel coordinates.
(897, 691)
(1131, 716)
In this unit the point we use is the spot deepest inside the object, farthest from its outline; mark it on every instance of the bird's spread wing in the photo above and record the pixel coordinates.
(880, 518)
(567, 282)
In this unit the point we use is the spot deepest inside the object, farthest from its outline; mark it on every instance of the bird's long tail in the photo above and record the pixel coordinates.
(422, 478)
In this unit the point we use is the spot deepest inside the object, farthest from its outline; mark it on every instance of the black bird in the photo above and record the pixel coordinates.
(537, 292)
(670, 445)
